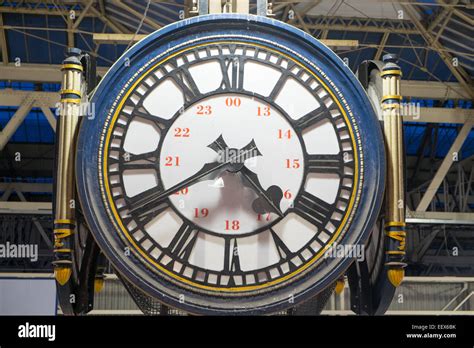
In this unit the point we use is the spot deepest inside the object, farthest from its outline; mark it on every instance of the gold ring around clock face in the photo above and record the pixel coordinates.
(234, 223)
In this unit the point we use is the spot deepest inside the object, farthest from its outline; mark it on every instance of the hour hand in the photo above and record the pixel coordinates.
(218, 145)
(268, 201)
(221, 148)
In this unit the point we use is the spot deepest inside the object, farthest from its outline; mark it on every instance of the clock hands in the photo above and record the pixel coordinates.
(234, 160)
(269, 200)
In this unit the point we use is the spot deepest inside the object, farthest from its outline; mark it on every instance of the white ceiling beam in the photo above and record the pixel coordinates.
(36, 72)
(13, 97)
(116, 28)
(83, 14)
(442, 115)
(137, 14)
(15, 121)
(381, 47)
(461, 75)
(25, 187)
(52, 73)
(36, 223)
(433, 90)
(107, 38)
(26, 207)
(439, 217)
(39, 11)
(3, 42)
(49, 115)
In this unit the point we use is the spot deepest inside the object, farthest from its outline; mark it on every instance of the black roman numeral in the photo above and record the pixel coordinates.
(312, 118)
(183, 242)
(235, 81)
(231, 256)
(161, 123)
(282, 249)
(126, 160)
(333, 164)
(279, 85)
(185, 81)
(158, 207)
(313, 209)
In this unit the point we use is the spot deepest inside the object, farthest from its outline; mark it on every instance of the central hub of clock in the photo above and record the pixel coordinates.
(235, 159)
(224, 203)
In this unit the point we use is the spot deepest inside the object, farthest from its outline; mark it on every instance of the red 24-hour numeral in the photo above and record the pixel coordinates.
(232, 225)
(263, 111)
(293, 164)
(172, 161)
(201, 213)
(204, 109)
(284, 134)
(233, 102)
(184, 191)
(266, 217)
(181, 132)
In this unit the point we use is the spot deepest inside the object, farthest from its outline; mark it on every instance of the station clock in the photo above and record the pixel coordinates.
(227, 155)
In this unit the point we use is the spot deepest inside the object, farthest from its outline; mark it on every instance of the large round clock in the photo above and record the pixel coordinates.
(228, 155)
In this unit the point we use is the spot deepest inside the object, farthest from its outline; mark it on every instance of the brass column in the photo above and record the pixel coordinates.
(64, 214)
(395, 191)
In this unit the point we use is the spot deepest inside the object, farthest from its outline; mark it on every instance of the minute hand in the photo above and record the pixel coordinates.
(206, 170)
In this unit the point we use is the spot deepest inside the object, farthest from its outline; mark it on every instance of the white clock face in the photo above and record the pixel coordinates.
(223, 204)
(230, 167)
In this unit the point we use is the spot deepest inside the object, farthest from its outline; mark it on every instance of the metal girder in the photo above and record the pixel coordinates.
(70, 32)
(49, 115)
(433, 90)
(107, 38)
(137, 14)
(304, 10)
(39, 11)
(36, 223)
(434, 23)
(15, 121)
(445, 166)
(464, 16)
(439, 217)
(461, 75)
(449, 260)
(3, 42)
(382, 43)
(25, 187)
(85, 10)
(441, 115)
(10, 97)
(26, 207)
(36, 72)
(107, 21)
(359, 24)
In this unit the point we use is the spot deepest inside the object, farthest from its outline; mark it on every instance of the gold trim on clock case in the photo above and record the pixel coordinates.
(178, 277)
